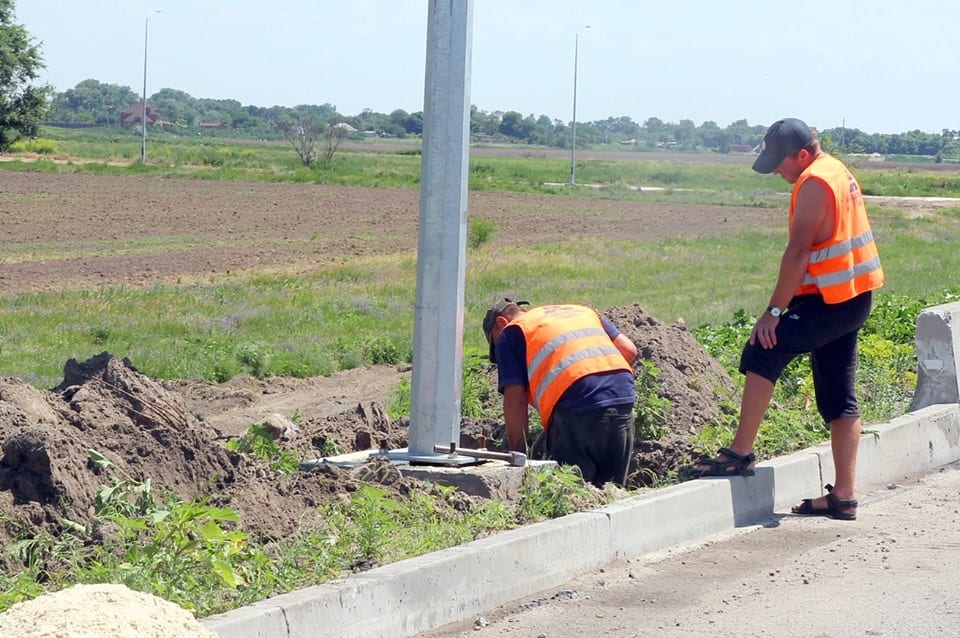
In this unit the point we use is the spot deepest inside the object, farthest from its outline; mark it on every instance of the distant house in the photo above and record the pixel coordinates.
(212, 125)
(741, 148)
(133, 115)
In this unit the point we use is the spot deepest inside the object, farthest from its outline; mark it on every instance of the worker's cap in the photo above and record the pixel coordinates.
(784, 137)
(490, 320)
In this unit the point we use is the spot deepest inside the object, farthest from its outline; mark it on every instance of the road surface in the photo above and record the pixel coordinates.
(893, 572)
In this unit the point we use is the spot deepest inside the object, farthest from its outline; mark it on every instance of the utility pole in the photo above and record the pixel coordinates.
(143, 103)
(573, 140)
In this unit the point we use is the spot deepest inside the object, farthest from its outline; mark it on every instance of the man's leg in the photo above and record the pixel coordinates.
(844, 443)
(757, 393)
(570, 441)
(614, 444)
(834, 368)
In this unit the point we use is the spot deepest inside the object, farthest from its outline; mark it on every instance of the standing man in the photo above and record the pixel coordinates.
(821, 299)
(574, 367)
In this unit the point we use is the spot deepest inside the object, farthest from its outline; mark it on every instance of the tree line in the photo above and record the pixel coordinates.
(96, 103)
(25, 105)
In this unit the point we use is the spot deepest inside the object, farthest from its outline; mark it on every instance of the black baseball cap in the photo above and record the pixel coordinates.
(491, 318)
(784, 137)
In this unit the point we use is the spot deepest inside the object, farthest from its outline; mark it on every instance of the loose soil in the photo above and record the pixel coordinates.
(64, 231)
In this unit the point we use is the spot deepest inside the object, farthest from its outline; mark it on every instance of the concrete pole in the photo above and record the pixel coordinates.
(441, 249)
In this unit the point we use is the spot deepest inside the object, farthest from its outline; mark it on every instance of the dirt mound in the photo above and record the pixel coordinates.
(105, 405)
(146, 431)
(693, 382)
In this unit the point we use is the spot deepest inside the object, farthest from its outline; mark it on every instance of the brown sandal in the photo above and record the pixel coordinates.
(835, 507)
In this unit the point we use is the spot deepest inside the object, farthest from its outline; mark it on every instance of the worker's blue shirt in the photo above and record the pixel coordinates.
(588, 393)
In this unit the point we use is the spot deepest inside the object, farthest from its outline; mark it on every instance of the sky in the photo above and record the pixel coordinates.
(880, 66)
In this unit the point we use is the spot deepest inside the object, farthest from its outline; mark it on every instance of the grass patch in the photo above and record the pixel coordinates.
(361, 311)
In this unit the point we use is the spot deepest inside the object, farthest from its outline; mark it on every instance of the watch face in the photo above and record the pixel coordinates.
(775, 312)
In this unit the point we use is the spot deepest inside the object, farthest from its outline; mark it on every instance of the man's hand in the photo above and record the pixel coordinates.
(765, 330)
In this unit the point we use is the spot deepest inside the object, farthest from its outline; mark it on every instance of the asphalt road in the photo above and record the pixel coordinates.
(895, 571)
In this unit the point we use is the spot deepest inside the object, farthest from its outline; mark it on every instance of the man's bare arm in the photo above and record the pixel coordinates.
(813, 211)
(516, 417)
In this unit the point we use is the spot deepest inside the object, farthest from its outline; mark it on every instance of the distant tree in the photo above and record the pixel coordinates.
(742, 133)
(828, 144)
(515, 126)
(709, 134)
(414, 123)
(334, 134)
(94, 102)
(23, 105)
(483, 123)
(545, 123)
(622, 127)
(723, 141)
(303, 132)
(312, 139)
(177, 107)
(686, 135)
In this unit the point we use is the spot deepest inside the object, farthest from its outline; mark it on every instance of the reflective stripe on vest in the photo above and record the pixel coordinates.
(843, 247)
(564, 344)
(847, 264)
(565, 363)
(843, 276)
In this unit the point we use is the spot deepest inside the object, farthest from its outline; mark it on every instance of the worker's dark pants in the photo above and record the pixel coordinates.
(599, 442)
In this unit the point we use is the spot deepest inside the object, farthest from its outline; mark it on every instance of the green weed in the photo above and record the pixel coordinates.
(551, 493)
(651, 409)
(259, 443)
(481, 231)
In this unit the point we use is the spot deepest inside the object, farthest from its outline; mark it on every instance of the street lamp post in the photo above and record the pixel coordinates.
(573, 140)
(143, 103)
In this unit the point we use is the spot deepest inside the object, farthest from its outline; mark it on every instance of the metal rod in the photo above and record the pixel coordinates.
(143, 104)
(573, 141)
(513, 458)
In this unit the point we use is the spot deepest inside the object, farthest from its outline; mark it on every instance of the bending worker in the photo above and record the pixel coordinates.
(574, 367)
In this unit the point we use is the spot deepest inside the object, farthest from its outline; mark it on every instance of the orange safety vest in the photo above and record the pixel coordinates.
(564, 344)
(847, 264)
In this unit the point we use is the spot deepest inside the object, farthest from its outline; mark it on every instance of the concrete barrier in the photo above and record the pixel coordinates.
(415, 595)
(938, 341)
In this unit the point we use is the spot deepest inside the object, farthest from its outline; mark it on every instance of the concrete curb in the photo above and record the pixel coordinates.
(422, 593)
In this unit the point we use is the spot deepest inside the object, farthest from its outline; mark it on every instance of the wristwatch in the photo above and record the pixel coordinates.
(776, 312)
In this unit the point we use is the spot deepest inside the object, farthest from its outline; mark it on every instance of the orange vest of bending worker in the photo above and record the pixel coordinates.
(564, 343)
(847, 264)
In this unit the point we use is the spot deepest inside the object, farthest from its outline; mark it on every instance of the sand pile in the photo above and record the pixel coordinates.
(98, 611)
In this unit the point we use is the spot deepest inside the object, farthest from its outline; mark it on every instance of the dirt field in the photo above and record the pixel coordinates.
(61, 232)
(65, 231)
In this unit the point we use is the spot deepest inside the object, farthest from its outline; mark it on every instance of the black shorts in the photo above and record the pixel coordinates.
(829, 333)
